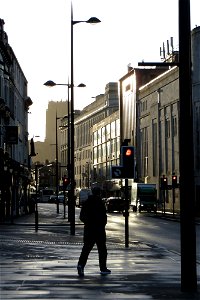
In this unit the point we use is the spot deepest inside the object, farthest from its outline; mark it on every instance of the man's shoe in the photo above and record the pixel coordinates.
(105, 271)
(80, 270)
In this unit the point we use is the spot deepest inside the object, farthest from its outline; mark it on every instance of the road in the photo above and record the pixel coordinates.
(143, 227)
(149, 229)
(41, 264)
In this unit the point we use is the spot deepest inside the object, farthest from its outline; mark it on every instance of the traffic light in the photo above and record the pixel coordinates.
(128, 161)
(163, 183)
(65, 182)
(174, 181)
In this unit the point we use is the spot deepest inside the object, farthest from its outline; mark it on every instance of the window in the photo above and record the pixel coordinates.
(144, 151)
(167, 128)
(155, 147)
(113, 132)
(174, 126)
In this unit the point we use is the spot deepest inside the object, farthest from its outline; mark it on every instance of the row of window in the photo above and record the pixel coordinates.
(160, 144)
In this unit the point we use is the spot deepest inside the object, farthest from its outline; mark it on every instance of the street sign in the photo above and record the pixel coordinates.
(117, 172)
(121, 172)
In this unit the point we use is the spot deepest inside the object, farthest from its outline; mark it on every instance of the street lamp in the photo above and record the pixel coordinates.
(37, 168)
(57, 182)
(70, 142)
(51, 83)
(57, 173)
(92, 20)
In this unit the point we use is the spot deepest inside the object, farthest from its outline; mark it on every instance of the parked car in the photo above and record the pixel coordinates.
(115, 204)
(53, 198)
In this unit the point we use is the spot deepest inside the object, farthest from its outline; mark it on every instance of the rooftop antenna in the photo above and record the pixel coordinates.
(168, 47)
(171, 43)
(163, 50)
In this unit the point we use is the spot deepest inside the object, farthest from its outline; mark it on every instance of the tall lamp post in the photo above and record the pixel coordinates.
(51, 83)
(56, 175)
(92, 20)
(57, 182)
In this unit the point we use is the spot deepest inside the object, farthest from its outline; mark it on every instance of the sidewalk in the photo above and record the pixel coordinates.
(42, 265)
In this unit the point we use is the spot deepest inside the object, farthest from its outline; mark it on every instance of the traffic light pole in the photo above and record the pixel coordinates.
(164, 199)
(126, 215)
(174, 186)
(57, 181)
(128, 168)
(64, 204)
(173, 198)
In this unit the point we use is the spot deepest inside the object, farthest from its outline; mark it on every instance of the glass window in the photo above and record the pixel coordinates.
(104, 152)
(99, 154)
(108, 132)
(99, 137)
(95, 138)
(117, 127)
(109, 150)
(103, 134)
(155, 147)
(95, 155)
(174, 124)
(113, 132)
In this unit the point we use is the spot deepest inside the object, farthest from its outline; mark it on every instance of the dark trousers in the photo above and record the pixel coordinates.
(92, 237)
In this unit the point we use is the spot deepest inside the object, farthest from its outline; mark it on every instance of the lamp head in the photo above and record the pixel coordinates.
(93, 20)
(50, 83)
(81, 85)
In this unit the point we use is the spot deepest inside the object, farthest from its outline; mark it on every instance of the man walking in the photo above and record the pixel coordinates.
(93, 215)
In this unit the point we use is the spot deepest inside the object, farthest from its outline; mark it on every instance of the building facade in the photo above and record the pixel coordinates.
(158, 134)
(152, 111)
(103, 106)
(106, 151)
(46, 151)
(14, 146)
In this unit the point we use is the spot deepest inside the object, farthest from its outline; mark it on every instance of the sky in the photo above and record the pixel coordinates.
(130, 31)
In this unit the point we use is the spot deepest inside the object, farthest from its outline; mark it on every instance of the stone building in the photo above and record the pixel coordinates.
(103, 106)
(46, 150)
(106, 151)
(158, 133)
(14, 147)
(152, 112)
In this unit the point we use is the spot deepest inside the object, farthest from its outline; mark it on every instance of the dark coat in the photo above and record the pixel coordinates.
(93, 213)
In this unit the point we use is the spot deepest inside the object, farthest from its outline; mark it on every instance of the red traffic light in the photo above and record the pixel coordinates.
(65, 181)
(128, 152)
(128, 161)
(174, 181)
